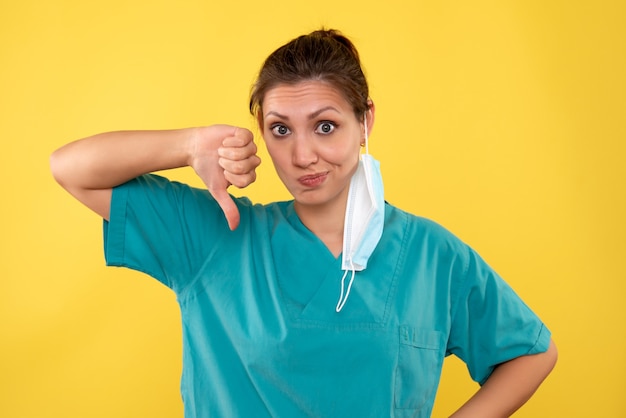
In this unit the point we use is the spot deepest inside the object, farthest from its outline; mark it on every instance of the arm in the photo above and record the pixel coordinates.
(221, 155)
(510, 385)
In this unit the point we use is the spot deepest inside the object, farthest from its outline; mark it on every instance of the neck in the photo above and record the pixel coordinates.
(326, 222)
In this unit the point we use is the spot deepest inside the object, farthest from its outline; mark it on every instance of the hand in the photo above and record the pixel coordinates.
(224, 155)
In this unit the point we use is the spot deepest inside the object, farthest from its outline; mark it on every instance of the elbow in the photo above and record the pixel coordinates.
(56, 166)
(552, 356)
(65, 167)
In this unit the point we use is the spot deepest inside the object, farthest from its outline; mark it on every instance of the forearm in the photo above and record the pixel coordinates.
(106, 160)
(221, 155)
(510, 385)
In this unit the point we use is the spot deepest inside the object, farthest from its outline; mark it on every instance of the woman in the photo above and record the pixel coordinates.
(332, 304)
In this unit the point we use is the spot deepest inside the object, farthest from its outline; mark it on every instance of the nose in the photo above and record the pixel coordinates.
(304, 153)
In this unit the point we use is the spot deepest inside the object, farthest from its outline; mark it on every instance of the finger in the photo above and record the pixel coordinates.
(240, 138)
(243, 133)
(228, 206)
(240, 180)
(237, 153)
(240, 166)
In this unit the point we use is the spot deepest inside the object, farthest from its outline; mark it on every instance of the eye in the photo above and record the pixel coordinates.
(325, 127)
(279, 130)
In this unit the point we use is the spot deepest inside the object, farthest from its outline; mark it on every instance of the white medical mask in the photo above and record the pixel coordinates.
(365, 217)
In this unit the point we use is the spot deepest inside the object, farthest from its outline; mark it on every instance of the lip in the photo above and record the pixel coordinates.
(313, 180)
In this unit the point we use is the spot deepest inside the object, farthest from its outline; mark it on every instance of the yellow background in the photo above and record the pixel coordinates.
(503, 121)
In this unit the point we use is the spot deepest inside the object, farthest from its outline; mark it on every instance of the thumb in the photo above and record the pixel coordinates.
(228, 206)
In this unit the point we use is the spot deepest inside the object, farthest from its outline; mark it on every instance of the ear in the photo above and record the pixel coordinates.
(371, 112)
(259, 120)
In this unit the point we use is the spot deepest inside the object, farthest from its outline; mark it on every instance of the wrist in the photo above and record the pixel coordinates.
(191, 141)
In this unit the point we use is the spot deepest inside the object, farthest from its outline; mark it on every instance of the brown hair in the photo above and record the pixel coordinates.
(323, 55)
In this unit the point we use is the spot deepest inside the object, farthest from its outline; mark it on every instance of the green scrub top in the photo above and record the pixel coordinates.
(261, 337)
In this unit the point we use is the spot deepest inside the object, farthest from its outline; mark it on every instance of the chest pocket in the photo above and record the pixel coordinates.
(420, 359)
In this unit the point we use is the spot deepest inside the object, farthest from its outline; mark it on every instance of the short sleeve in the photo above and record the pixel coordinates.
(162, 228)
(490, 323)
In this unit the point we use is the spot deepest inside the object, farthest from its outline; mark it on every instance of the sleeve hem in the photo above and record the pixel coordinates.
(543, 341)
(113, 229)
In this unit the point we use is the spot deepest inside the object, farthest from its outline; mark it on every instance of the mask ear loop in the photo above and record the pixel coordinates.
(342, 300)
(367, 147)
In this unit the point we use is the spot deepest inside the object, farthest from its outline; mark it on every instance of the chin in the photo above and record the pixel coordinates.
(317, 199)
(304, 199)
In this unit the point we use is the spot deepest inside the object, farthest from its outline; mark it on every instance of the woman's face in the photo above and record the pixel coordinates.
(313, 138)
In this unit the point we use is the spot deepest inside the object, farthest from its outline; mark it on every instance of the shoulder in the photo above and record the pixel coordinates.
(156, 195)
(418, 229)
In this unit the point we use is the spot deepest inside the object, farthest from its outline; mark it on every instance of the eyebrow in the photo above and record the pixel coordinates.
(311, 116)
